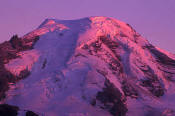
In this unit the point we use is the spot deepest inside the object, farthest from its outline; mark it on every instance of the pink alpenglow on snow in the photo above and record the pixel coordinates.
(25, 61)
(95, 66)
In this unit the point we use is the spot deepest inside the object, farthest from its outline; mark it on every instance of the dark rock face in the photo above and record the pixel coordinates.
(112, 100)
(24, 73)
(44, 63)
(162, 58)
(96, 49)
(151, 81)
(154, 87)
(8, 51)
(129, 90)
(30, 113)
(108, 42)
(8, 110)
(5, 76)
(21, 44)
(16, 42)
(3, 85)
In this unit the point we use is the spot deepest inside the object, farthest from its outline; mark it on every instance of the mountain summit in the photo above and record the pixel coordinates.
(96, 66)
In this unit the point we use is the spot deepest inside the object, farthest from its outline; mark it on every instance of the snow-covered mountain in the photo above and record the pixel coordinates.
(95, 66)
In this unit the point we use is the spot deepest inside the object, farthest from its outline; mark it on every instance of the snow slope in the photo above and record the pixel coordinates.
(95, 66)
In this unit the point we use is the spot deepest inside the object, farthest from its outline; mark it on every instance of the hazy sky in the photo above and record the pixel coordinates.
(154, 19)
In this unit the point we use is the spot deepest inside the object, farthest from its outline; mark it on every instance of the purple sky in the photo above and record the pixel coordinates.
(154, 19)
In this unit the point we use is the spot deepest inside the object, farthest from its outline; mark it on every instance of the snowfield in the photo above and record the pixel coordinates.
(95, 66)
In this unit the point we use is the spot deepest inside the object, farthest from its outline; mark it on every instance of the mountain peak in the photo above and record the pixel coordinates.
(90, 66)
(97, 26)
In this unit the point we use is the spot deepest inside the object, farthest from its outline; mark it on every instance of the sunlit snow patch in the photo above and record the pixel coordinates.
(25, 61)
